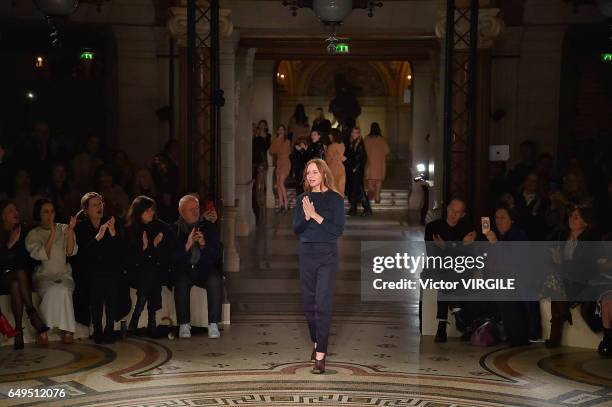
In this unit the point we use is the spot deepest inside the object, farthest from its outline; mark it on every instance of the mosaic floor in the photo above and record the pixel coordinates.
(377, 357)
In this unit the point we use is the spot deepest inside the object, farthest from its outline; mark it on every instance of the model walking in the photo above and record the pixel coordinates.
(319, 221)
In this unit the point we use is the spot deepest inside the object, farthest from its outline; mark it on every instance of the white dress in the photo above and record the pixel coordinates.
(52, 278)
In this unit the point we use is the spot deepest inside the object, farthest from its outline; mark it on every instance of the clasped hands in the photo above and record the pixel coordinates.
(310, 211)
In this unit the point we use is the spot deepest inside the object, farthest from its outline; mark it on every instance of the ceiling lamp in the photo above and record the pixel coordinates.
(57, 7)
(332, 12)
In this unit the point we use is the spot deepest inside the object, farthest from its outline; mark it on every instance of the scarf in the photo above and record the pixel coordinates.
(186, 228)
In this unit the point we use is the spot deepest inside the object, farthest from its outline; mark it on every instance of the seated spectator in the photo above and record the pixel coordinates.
(84, 164)
(144, 184)
(531, 206)
(52, 243)
(116, 201)
(13, 278)
(196, 256)
(451, 229)
(59, 191)
(23, 196)
(146, 241)
(573, 193)
(99, 265)
(123, 174)
(521, 319)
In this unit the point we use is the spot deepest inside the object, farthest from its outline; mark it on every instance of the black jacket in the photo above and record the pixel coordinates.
(153, 259)
(210, 255)
(356, 158)
(316, 150)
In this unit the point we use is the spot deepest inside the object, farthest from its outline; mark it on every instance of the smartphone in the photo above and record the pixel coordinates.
(486, 224)
(210, 206)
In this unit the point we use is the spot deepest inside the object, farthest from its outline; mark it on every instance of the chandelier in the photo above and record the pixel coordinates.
(332, 14)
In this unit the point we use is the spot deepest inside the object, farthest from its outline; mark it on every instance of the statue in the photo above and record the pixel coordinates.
(344, 106)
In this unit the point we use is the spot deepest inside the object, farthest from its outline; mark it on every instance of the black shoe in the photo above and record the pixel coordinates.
(605, 348)
(352, 212)
(152, 331)
(441, 336)
(367, 213)
(98, 338)
(109, 336)
(319, 366)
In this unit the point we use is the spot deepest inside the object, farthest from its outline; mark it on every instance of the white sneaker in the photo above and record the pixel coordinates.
(185, 331)
(213, 331)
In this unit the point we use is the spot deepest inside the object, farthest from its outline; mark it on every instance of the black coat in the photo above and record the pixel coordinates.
(211, 254)
(98, 260)
(356, 158)
(148, 269)
(316, 150)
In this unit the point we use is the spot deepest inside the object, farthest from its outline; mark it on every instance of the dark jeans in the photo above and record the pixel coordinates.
(211, 281)
(318, 268)
(102, 293)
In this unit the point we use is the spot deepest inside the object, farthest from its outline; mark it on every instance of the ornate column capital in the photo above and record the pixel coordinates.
(177, 23)
(490, 26)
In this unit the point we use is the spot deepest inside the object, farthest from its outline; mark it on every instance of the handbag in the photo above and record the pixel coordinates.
(485, 335)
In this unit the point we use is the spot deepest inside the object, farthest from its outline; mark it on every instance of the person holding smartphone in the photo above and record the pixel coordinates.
(195, 260)
(319, 222)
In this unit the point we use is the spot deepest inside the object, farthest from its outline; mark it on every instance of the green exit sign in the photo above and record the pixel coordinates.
(342, 48)
(606, 57)
(87, 55)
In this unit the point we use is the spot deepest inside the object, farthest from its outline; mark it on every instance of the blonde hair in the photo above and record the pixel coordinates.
(327, 177)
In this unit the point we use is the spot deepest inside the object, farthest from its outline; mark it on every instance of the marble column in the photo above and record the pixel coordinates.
(227, 69)
(422, 76)
(245, 221)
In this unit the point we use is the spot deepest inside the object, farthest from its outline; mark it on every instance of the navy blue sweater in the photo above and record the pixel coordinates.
(328, 204)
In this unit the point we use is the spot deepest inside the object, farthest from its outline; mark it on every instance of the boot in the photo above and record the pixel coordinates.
(18, 344)
(6, 328)
(605, 347)
(441, 336)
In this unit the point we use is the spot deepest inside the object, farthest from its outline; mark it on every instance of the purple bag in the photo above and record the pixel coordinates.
(485, 335)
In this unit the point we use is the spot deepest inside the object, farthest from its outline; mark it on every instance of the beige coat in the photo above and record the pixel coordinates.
(377, 150)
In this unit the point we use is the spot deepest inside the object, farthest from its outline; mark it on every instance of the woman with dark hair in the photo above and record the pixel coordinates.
(298, 123)
(13, 277)
(99, 266)
(299, 157)
(377, 150)
(319, 222)
(52, 243)
(281, 148)
(146, 259)
(576, 260)
(521, 319)
(356, 161)
(261, 144)
(316, 149)
(335, 159)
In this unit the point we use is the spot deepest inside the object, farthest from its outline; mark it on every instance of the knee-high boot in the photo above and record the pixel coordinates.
(140, 304)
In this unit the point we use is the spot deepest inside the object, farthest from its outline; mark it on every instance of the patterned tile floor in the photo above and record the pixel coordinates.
(377, 357)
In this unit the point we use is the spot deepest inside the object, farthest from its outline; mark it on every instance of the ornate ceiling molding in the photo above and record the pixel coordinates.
(177, 23)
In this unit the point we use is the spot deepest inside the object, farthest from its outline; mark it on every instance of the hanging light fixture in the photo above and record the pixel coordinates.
(333, 12)
(57, 8)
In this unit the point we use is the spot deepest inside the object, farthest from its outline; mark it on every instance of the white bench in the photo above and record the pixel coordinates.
(578, 334)
(199, 314)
